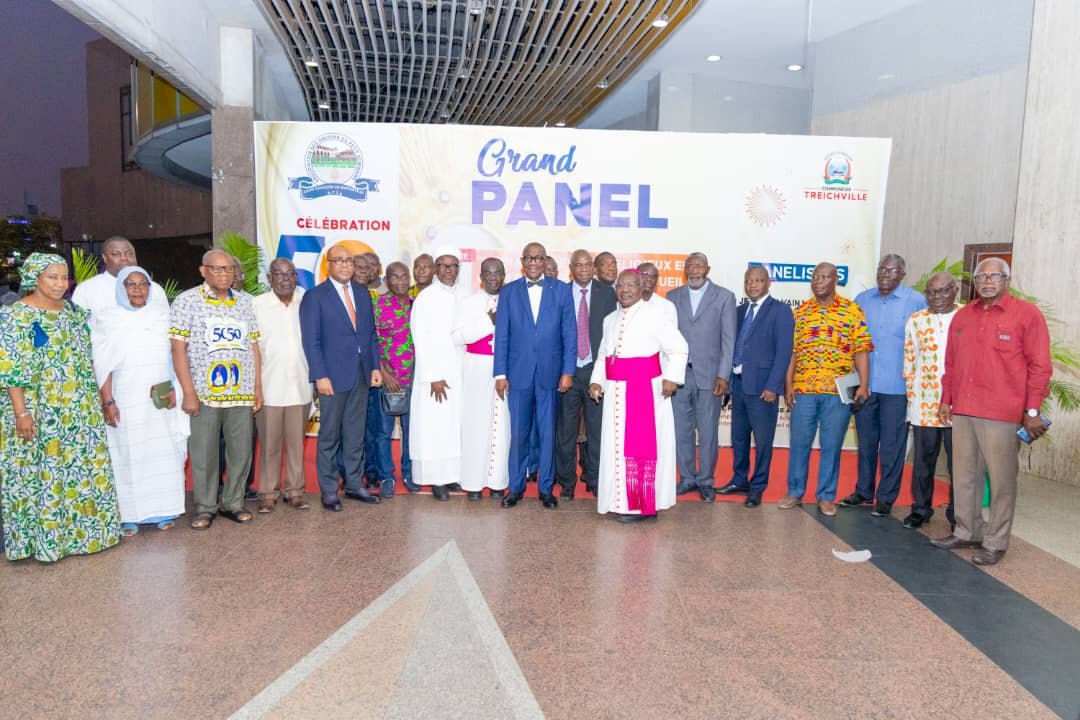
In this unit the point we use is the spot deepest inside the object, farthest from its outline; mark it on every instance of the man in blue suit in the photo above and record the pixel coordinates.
(535, 357)
(337, 329)
(765, 329)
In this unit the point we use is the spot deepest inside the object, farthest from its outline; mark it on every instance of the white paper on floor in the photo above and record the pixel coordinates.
(853, 556)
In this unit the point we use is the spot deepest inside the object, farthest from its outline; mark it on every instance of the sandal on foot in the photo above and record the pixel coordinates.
(165, 525)
(266, 506)
(129, 529)
(202, 521)
(237, 516)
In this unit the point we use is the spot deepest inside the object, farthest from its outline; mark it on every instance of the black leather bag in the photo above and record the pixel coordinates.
(394, 404)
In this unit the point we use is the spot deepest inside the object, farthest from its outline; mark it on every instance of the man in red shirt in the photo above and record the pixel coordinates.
(997, 373)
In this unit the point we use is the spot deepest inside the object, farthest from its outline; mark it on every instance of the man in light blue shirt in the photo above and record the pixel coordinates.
(882, 423)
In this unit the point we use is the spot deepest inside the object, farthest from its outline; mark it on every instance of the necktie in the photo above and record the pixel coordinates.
(534, 283)
(583, 347)
(349, 306)
(744, 332)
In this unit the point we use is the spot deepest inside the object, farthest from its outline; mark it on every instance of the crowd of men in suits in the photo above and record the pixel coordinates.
(586, 383)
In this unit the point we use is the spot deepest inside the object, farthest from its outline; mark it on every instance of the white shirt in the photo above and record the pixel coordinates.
(342, 288)
(536, 292)
(284, 367)
(755, 308)
(696, 295)
(577, 308)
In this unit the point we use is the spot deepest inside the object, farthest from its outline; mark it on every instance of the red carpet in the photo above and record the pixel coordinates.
(776, 490)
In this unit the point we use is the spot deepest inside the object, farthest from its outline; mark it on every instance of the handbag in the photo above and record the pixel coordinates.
(395, 403)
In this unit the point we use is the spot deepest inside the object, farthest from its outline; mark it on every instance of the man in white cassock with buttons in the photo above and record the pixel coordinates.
(437, 395)
(485, 439)
(642, 361)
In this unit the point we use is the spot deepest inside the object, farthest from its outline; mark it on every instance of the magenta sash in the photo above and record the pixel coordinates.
(481, 346)
(639, 440)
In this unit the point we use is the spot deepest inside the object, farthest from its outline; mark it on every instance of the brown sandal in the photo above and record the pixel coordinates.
(202, 521)
(266, 506)
(237, 516)
(298, 502)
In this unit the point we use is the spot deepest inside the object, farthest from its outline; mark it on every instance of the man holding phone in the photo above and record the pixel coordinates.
(997, 374)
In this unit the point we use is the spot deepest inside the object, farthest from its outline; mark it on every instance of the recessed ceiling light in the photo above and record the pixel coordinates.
(324, 105)
(603, 84)
(476, 7)
(713, 58)
(560, 124)
(660, 22)
(729, 98)
(886, 76)
(311, 62)
(794, 67)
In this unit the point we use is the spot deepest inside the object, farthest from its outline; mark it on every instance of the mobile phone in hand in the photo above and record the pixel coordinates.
(1025, 436)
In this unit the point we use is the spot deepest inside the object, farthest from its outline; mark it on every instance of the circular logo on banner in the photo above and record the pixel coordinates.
(333, 158)
(765, 205)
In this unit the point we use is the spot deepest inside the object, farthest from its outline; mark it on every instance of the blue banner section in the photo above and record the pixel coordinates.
(289, 246)
(311, 188)
(792, 272)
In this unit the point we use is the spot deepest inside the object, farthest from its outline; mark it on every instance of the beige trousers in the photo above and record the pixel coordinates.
(981, 446)
(281, 428)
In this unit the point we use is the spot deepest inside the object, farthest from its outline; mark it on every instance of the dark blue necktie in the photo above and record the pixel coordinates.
(534, 283)
(744, 332)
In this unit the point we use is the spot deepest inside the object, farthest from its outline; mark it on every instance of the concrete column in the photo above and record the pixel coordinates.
(1046, 251)
(232, 143)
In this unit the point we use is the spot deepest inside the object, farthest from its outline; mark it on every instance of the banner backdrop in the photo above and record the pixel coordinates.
(784, 201)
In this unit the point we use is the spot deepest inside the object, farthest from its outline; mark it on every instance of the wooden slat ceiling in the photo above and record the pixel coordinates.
(489, 62)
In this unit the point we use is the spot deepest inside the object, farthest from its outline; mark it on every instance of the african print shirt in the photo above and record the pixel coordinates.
(925, 336)
(395, 338)
(826, 340)
(220, 335)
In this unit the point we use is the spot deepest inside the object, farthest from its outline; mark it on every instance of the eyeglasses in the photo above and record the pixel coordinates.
(282, 274)
(533, 258)
(991, 277)
(135, 285)
(221, 269)
(941, 292)
(892, 272)
(341, 261)
(447, 266)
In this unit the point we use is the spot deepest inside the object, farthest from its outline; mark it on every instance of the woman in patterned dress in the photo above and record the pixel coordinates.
(55, 476)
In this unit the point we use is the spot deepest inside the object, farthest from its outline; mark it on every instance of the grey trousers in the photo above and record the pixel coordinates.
(281, 428)
(206, 430)
(696, 409)
(981, 446)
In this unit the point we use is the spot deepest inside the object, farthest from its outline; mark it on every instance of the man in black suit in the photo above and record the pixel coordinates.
(764, 334)
(593, 301)
(337, 329)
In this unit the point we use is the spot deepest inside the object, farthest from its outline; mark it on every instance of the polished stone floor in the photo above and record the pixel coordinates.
(420, 609)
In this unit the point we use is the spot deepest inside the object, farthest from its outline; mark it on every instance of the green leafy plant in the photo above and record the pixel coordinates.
(172, 289)
(251, 259)
(1065, 383)
(85, 264)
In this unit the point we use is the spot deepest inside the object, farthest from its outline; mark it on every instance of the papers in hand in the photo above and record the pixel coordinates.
(855, 556)
(847, 385)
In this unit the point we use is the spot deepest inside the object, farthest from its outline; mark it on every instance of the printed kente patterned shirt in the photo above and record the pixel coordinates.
(925, 336)
(220, 335)
(395, 338)
(826, 340)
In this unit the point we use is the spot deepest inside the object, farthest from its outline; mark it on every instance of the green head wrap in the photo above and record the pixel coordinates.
(35, 265)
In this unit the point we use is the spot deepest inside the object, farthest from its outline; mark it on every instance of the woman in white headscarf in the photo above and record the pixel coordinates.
(147, 433)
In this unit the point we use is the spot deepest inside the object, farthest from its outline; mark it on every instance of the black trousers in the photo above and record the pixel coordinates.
(342, 423)
(928, 442)
(573, 403)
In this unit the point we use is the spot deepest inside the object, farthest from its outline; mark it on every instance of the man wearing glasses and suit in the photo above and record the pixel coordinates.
(337, 328)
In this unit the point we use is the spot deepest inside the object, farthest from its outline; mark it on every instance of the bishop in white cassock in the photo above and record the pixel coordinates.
(642, 360)
(98, 294)
(437, 396)
(485, 440)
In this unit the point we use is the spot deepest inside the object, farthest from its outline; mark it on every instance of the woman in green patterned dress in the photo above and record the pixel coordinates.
(57, 484)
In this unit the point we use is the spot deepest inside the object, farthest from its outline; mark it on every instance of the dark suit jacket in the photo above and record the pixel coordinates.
(768, 347)
(602, 303)
(710, 334)
(541, 351)
(331, 345)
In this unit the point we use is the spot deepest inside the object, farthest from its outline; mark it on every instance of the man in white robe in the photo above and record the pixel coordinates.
(485, 439)
(98, 294)
(642, 361)
(437, 395)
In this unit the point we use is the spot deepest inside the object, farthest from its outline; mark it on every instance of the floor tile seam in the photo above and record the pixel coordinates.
(288, 681)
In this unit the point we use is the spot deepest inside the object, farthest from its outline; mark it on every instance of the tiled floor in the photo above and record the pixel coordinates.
(712, 611)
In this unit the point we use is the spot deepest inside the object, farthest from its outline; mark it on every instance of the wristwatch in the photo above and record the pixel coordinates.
(1032, 412)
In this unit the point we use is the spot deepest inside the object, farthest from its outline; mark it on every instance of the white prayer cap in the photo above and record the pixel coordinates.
(446, 249)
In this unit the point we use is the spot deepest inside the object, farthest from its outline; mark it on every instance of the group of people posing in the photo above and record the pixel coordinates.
(598, 381)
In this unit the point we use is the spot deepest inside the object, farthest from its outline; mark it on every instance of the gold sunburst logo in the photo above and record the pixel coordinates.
(765, 206)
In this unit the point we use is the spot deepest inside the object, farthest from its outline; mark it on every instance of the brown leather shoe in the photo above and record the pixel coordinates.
(298, 502)
(951, 542)
(266, 505)
(787, 502)
(826, 508)
(984, 556)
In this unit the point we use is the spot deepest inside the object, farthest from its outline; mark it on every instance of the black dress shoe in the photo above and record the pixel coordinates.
(707, 493)
(631, 518)
(855, 500)
(951, 542)
(732, 489)
(915, 520)
(475, 495)
(363, 496)
(686, 487)
(567, 493)
(511, 499)
(549, 501)
(332, 506)
(882, 509)
(752, 500)
(497, 493)
(440, 492)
